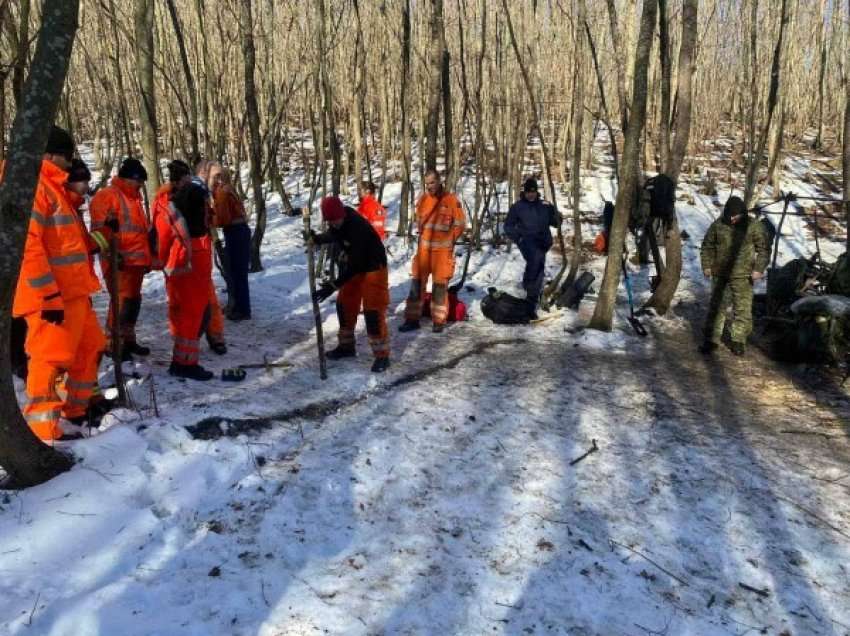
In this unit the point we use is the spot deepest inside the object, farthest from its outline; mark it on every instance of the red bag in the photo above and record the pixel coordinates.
(457, 308)
(600, 244)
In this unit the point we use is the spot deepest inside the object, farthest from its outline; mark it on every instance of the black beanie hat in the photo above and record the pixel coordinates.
(132, 169)
(734, 206)
(530, 185)
(60, 142)
(177, 170)
(79, 171)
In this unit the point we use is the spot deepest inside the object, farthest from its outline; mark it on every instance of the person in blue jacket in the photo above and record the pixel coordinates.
(527, 225)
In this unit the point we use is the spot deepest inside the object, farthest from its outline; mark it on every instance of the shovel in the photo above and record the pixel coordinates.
(634, 322)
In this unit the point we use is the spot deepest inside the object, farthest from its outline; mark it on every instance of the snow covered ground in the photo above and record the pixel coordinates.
(442, 497)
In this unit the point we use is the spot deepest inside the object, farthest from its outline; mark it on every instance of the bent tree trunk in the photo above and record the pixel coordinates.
(26, 460)
(680, 133)
(143, 19)
(249, 53)
(846, 148)
(603, 314)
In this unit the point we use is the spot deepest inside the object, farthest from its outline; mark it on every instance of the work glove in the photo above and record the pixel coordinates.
(309, 237)
(324, 291)
(53, 316)
(112, 224)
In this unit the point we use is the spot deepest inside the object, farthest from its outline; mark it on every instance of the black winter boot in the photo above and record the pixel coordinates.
(219, 348)
(380, 365)
(438, 327)
(409, 325)
(738, 348)
(190, 372)
(707, 347)
(341, 351)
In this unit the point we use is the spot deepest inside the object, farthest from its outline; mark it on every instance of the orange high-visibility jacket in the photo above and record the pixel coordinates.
(174, 244)
(55, 267)
(159, 208)
(371, 210)
(441, 221)
(122, 201)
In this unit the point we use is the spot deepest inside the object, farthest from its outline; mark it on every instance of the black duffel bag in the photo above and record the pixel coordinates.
(504, 309)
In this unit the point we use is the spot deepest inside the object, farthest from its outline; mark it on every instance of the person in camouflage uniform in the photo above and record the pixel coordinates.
(734, 254)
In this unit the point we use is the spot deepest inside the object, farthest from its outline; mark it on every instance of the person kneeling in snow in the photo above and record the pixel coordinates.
(185, 249)
(363, 280)
(528, 225)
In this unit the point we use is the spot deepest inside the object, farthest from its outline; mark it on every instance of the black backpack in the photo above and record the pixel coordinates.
(504, 309)
(662, 198)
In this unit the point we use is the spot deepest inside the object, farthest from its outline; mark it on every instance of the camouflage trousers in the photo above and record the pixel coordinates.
(737, 292)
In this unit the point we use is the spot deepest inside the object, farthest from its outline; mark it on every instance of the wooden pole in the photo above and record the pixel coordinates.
(115, 330)
(317, 314)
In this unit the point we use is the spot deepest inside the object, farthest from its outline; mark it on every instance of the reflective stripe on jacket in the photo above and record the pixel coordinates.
(441, 221)
(55, 266)
(122, 201)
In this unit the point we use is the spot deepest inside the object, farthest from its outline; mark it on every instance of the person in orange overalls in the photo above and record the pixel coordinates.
(363, 281)
(53, 295)
(122, 200)
(183, 245)
(441, 222)
(179, 175)
(229, 215)
(215, 325)
(371, 209)
(77, 187)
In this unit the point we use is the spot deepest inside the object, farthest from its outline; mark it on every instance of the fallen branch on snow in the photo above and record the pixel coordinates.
(593, 449)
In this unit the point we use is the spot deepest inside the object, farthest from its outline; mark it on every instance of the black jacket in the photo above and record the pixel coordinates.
(362, 248)
(529, 223)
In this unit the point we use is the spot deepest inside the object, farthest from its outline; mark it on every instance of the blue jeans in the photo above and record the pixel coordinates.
(237, 242)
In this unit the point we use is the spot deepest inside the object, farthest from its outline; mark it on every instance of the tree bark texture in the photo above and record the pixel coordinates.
(24, 458)
(143, 20)
(603, 314)
(255, 148)
(662, 298)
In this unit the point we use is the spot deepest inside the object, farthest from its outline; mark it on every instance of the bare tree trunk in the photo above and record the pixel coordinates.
(143, 20)
(448, 131)
(666, 81)
(23, 45)
(681, 130)
(578, 123)
(255, 148)
(621, 70)
(772, 99)
(119, 78)
(603, 313)
(24, 458)
(601, 86)
(403, 211)
(437, 45)
(818, 144)
(846, 144)
(190, 80)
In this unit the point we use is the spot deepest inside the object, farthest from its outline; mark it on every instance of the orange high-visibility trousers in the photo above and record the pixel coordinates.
(439, 265)
(188, 306)
(74, 346)
(129, 300)
(371, 290)
(215, 325)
